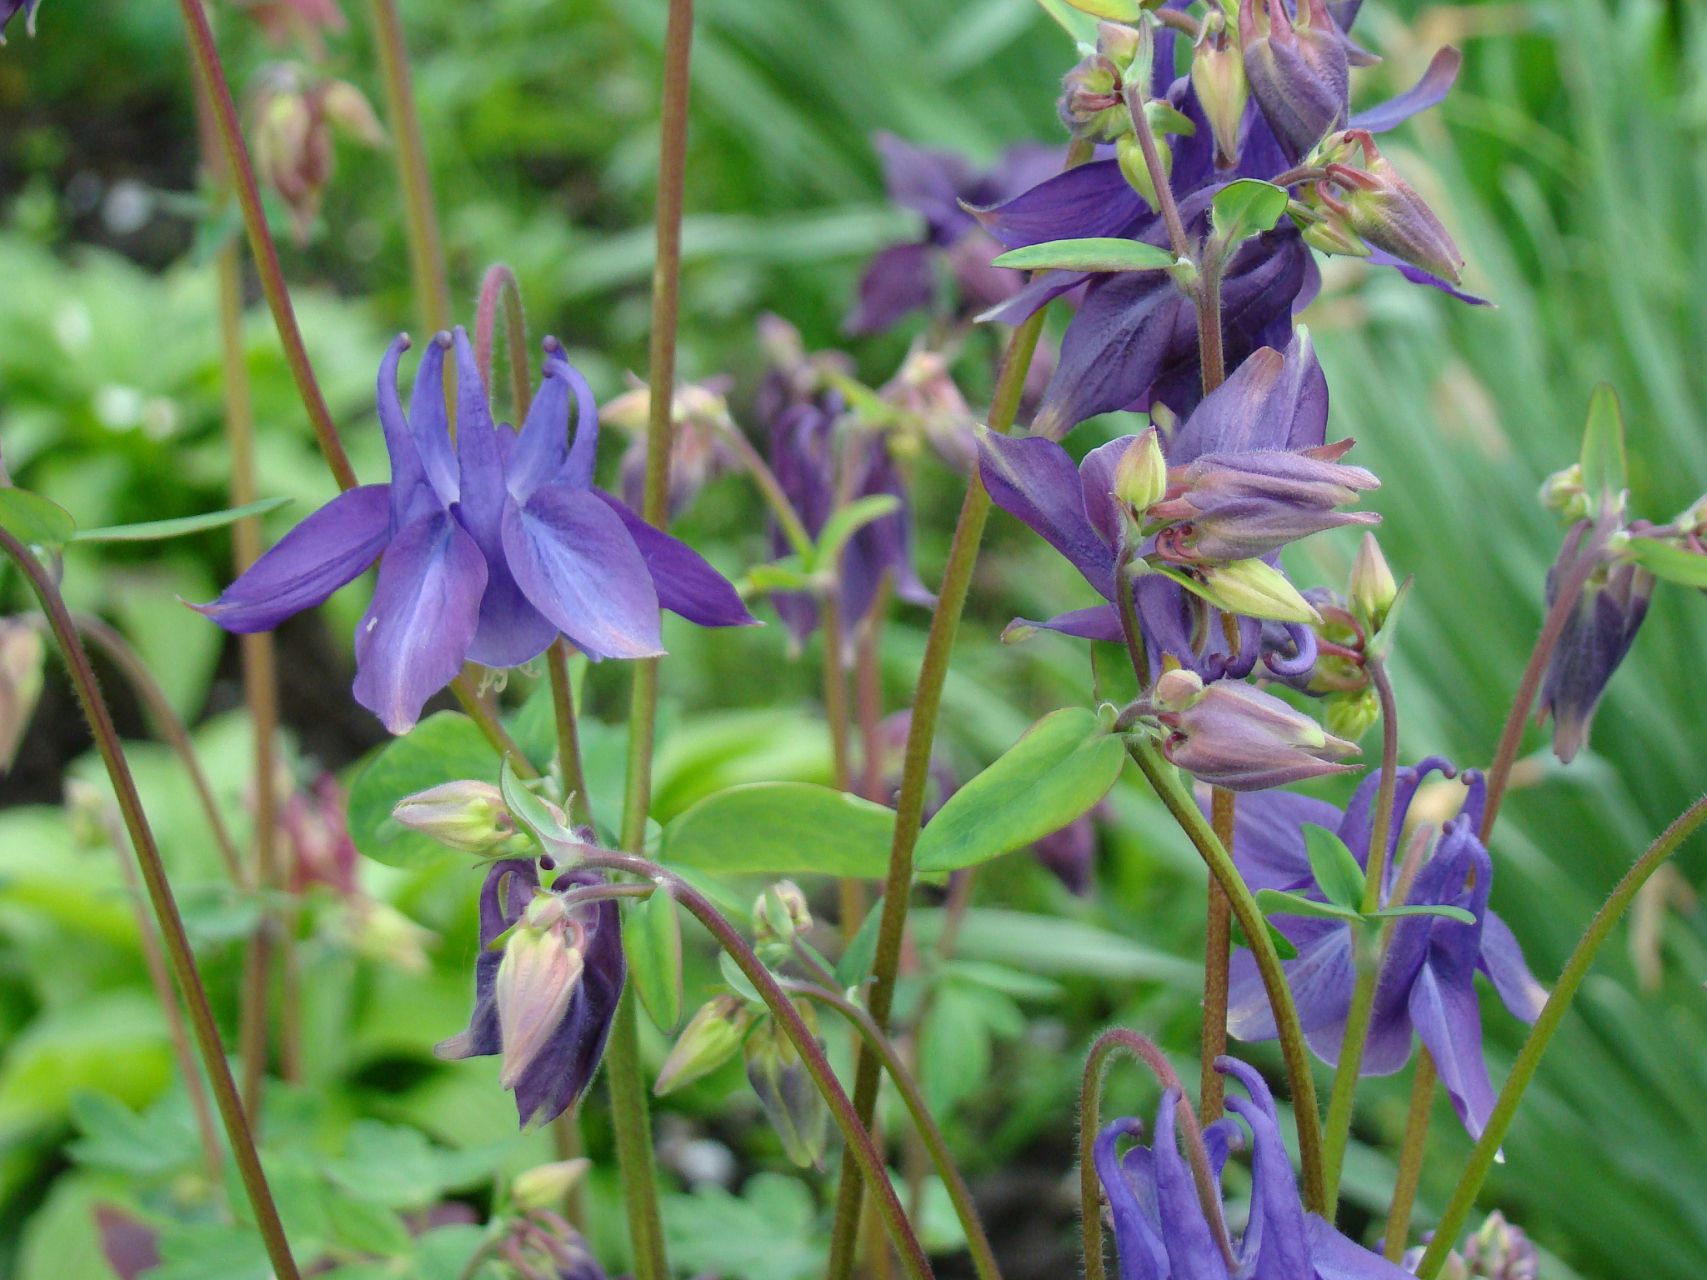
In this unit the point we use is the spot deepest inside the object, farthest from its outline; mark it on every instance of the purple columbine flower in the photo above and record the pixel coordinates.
(1596, 637)
(562, 1056)
(489, 547)
(10, 9)
(1427, 981)
(1163, 1230)
(939, 185)
(1272, 402)
(1230, 734)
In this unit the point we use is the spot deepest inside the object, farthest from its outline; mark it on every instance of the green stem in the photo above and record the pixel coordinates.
(1217, 966)
(1208, 301)
(1158, 176)
(1552, 1013)
(491, 728)
(1294, 1050)
(770, 488)
(568, 734)
(835, 686)
(1350, 1066)
(172, 933)
(420, 217)
(1411, 1157)
(633, 1128)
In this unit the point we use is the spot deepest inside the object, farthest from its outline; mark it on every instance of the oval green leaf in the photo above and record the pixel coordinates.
(1335, 868)
(154, 529)
(1247, 207)
(33, 520)
(842, 526)
(1056, 772)
(444, 747)
(1097, 253)
(782, 828)
(1663, 560)
(652, 940)
(1605, 474)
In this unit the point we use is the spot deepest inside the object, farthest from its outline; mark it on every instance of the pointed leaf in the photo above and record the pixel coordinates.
(1381, 643)
(1272, 902)
(33, 520)
(855, 965)
(652, 939)
(1110, 10)
(1080, 27)
(782, 828)
(1450, 913)
(1334, 867)
(1055, 773)
(737, 980)
(527, 809)
(1095, 253)
(846, 522)
(154, 529)
(1664, 560)
(1604, 471)
(1283, 945)
(1244, 208)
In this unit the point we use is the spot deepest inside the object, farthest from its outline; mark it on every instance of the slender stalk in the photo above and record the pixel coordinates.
(500, 288)
(212, 77)
(1090, 1125)
(1350, 1067)
(568, 734)
(161, 977)
(1552, 1013)
(1411, 1157)
(420, 217)
(1293, 1048)
(836, 686)
(1511, 737)
(1208, 300)
(868, 684)
(1217, 965)
(1158, 175)
(977, 1242)
(915, 777)
(167, 723)
(172, 933)
(770, 488)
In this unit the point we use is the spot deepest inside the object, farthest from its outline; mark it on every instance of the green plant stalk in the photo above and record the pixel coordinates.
(211, 75)
(836, 710)
(622, 1058)
(915, 776)
(172, 934)
(1293, 1048)
(977, 1242)
(420, 216)
(1217, 967)
(568, 734)
(1552, 1013)
(770, 488)
(1350, 1066)
(1411, 1157)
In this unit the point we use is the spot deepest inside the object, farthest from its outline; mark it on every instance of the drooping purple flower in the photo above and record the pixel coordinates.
(1427, 981)
(1272, 402)
(1233, 735)
(1161, 1228)
(489, 547)
(562, 1065)
(9, 9)
(937, 184)
(1597, 635)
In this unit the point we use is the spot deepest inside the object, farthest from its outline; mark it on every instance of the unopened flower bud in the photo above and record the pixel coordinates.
(1350, 715)
(466, 815)
(711, 1038)
(1563, 492)
(1177, 690)
(1254, 589)
(1297, 69)
(1238, 737)
(292, 123)
(793, 1103)
(1218, 76)
(21, 654)
(1383, 209)
(545, 1186)
(1372, 589)
(1141, 475)
(1500, 1251)
(1136, 169)
(1452, 1269)
(780, 913)
(1328, 232)
(347, 107)
(536, 978)
(86, 813)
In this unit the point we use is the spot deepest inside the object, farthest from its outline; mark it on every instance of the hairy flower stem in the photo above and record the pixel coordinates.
(1165, 781)
(1217, 965)
(1208, 300)
(1165, 204)
(568, 734)
(1511, 737)
(172, 933)
(1350, 1067)
(1090, 1124)
(211, 76)
(499, 288)
(915, 777)
(420, 216)
(622, 1059)
(1411, 1157)
(1552, 1014)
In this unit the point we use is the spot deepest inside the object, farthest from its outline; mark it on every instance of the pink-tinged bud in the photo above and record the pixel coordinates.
(700, 448)
(347, 108)
(1500, 1251)
(1379, 206)
(466, 815)
(287, 21)
(1092, 103)
(780, 912)
(793, 1103)
(1238, 737)
(1218, 76)
(1298, 71)
(21, 654)
(927, 402)
(545, 1186)
(292, 123)
(536, 978)
(711, 1038)
(1177, 690)
(1372, 589)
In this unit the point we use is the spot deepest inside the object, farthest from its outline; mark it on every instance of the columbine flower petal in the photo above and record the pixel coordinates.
(411, 493)
(685, 583)
(897, 280)
(1429, 91)
(429, 422)
(1034, 479)
(1271, 401)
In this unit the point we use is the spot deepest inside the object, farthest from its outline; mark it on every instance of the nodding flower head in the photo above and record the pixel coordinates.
(1298, 70)
(1233, 735)
(1385, 211)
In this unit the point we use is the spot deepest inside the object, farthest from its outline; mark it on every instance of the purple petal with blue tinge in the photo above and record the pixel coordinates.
(580, 568)
(429, 422)
(511, 630)
(504, 896)
(1044, 288)
(1092, 200)
(1416, 275)
(1191, 1247)
(927, 181)
(1268, 840)
(1035, 480)
(1336, 1258)
(1096, 480)
(898, 279)
(412, 641)
(1142, 1254)
(1427, 92)
(1099, 622)
(412, 495)
(1275, 1246)
(1271, 401)
(1501, 959)
(330, 548)
(577, 470)
(1449, 1021)
(685, 583)
(543, 442)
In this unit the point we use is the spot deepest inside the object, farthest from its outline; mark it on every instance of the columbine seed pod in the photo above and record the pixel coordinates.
(711, 1038)
(1372, 589)
(466, 815)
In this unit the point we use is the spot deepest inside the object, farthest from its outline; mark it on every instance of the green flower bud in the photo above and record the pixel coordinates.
(1253, 588)
(1141, 475)
(780, 913)
(1372, 588)
(466, 815)
(785, 1088)
(1218, 75)
(1563, 492)
(711, 1038)
(546, 1186)
(1350, 715)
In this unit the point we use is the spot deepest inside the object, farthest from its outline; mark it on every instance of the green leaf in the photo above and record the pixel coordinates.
(1080, 27)
(528, 809)
(397, 1167)
(1381, 643)
(1042, 944)
(1605, 476)
(1272, 902)
(1664, 560)
(212, 1252)
(1450, 913)
(846, 522)
(33, 520)
(652, 940)
(1094, 253)
(1334, 867)
(1110, 10)
(1056, 772)
(738, 981)
(444, 747)
(735, 908)
(1244, 208)
(153, 529)
(782, 828)
(367, 1227)
(787, 574)
(855, 965)
(998, 977)
(1283, 945)
(163, 1140)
